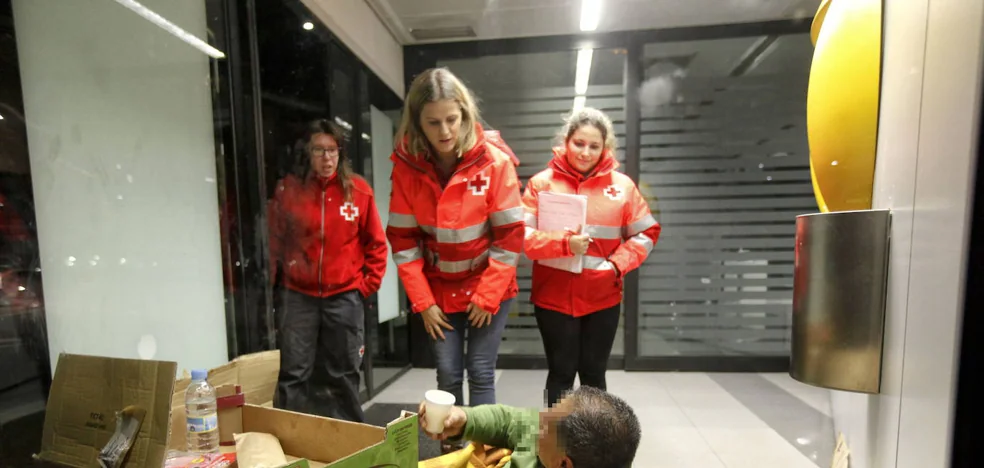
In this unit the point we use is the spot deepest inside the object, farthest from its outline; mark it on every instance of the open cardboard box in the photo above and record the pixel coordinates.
(87, 392)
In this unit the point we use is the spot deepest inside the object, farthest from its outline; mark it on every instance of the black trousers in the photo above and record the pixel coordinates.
(321, 348)
(576, 347)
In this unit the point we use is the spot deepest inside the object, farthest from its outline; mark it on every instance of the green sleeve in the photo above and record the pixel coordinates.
(503, 426)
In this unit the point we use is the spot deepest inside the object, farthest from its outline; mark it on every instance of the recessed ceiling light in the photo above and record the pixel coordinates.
(308, 26)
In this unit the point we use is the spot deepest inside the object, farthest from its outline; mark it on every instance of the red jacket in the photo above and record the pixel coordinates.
(619, 222)
(459, 244)
(326, 245)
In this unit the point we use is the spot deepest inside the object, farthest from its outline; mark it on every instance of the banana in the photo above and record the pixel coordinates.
(493, 457)
(458, 459)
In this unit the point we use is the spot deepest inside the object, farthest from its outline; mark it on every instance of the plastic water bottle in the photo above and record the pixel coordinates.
(203, 416)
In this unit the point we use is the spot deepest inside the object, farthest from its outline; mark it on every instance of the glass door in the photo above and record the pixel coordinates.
(723, 161)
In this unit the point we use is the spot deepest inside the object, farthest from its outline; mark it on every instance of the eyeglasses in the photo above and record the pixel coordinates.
(319, 151)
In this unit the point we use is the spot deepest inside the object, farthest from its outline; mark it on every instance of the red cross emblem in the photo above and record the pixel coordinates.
(614, 192)
(349, 211)
(478, 184)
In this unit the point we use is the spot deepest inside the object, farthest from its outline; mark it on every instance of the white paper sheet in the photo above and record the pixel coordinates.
(558, 212)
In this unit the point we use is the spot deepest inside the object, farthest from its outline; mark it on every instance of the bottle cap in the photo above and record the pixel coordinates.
(199, 374)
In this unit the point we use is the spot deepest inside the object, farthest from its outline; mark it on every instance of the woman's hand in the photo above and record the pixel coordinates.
(478, 317)
(434, 321)
(579, 242)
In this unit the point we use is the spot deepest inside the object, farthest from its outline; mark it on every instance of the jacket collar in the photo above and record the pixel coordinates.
(313, 180)
(605, 165)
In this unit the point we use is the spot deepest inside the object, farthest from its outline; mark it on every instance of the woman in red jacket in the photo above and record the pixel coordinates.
(326, 236)
(578, 313)
(456, 229)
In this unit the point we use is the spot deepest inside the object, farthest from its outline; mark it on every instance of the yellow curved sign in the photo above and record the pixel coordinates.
(842, 104)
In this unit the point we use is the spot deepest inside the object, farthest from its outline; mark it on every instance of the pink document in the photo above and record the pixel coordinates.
(558, 212)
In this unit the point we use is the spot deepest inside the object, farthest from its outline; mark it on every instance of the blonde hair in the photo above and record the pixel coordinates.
(588, 116)
(436, 84)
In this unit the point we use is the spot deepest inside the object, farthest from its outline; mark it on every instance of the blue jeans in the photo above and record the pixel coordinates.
(483, 351)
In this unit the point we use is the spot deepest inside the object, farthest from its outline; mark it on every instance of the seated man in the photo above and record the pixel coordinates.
(590, 428)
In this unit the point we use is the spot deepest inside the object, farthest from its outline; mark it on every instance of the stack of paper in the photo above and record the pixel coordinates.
(560, 212)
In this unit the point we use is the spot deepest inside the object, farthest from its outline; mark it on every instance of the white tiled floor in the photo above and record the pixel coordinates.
(688, 419)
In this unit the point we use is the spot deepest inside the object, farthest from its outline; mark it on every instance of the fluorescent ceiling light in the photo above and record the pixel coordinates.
(308, 26)
(172, 28)
(579, 102)
(343, 123)
(590, 14)
(583, 72)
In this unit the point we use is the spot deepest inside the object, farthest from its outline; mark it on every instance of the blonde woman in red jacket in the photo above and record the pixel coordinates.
(578, 313)
(456, 230)
(326, 236)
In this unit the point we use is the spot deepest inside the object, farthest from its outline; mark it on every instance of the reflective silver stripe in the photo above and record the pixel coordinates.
(597, 263)
(457, 236)
(407, 256)
(602, 232)
(639, 226)
(529, 231)
(462, 266)
(644, 241)
(507, 216)
(400, 220)
(530, 219)
(504, 256)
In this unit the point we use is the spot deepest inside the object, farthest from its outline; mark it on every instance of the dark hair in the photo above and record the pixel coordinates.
(601, 431)
(302, 153)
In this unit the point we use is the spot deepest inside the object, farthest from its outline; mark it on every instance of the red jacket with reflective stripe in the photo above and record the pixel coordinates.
(326, 245)
(460, 244)
(619, 222)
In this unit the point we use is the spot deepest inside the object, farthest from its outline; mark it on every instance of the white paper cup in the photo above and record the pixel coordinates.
(438, 406)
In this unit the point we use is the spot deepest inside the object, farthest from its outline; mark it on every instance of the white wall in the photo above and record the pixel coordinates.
(382, 129)
(930, 105)
(356, 24)
(123, 164)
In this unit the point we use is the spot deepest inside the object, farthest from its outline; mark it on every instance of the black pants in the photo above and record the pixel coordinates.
(321, 349)
(576, 347)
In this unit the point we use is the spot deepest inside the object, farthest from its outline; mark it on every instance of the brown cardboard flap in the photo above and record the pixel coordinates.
(256, 373)
(312, 437)
(85, 395)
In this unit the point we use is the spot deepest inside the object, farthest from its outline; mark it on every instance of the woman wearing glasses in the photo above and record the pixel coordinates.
(328, 241)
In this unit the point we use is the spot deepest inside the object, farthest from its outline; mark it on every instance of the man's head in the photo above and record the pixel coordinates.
(589, 428)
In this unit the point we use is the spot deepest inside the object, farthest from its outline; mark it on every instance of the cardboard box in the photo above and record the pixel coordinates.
(256, 374)
(87, 392)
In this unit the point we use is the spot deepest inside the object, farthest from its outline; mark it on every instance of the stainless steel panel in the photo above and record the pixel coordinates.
(839, 287)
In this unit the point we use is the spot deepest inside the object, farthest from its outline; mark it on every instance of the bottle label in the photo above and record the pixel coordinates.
(207, 423)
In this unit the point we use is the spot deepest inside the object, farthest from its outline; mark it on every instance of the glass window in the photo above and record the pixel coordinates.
(140, 143)
(725, 165)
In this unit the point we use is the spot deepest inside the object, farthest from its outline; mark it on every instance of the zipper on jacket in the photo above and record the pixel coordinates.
(321, 256)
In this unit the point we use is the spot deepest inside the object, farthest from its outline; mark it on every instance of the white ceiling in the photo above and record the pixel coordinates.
(496, 19)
